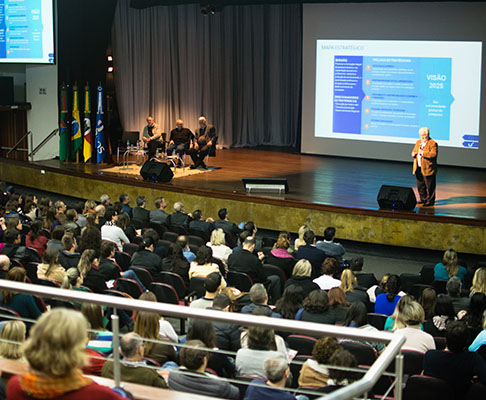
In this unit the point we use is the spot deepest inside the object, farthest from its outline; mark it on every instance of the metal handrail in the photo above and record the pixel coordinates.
(394, 342)
(18, 143)
(41, 144)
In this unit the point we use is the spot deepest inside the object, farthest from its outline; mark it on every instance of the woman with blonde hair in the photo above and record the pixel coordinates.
(56, 353)
(300, 240)
(349, 285)
(90, 272)
(147, 326)
(301, 276)
(50, 268)
(218, 246)
(449, 267)
(413, 316)
(478, 282)
(11, 340)
(165, 328)
(396, 320)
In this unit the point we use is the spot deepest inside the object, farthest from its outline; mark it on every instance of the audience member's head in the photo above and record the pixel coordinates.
(343, 358)
(302, 268)
(68, 242)
(290, 302)
(94, 315)
(451, 262)
(212, 282)
(392, 287)
(357, 315)
(444, 306)
(303, 229)
(249, 244)
(204, 331)
(258, 294)
(160, 203)
(329, 233)
(4, 262)
(222, 302)
(105, 199)
(428, 300)
(197, 215)
(330, 266)
(178, 207)
(324, 348)
(193, 355)
(456, 336)
(11, 236)
(204, 255)
(309, 237)
(316, 302)
(217, 237)
(454, 287)
(57, 343)
(71, 215)
(111, 214)
(348, 280)
(72, 278)
(140, 200)
(277, 370)
(282, 243)
(479, 281)
(337, 297)
(222, 213)
(124, 198)
(356, 264)
(13, 332)
(413, 314)
(107, 248)
(58, 232)
(131, 347)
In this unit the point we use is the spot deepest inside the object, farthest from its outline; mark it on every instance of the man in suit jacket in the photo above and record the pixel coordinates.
(312, 254)
(205, 135)
(425, 167)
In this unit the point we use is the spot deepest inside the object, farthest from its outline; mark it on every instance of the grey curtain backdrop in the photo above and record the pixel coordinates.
(241, 68)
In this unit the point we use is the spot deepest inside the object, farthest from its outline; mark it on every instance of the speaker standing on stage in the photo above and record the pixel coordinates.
(205, 135)
(151, 136)
(180, 139)
(425, 167)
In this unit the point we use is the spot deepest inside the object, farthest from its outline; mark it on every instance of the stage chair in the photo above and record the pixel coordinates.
(130, 137)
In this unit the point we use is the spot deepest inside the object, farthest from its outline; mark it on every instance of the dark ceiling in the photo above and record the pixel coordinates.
(221, 3)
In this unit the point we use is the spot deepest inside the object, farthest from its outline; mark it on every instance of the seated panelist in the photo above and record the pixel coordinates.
(152, 136)
(180, 139)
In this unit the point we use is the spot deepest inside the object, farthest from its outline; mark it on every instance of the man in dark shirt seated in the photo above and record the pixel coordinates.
(311, 253)
(365, 279)
(69, 257)
(179, 217)
(159, 216)
(225, 224)
(245, 261)
(13, 248)
(205, 135)
(455, 364)
(140, 213)
(180, 139)
(200, 224)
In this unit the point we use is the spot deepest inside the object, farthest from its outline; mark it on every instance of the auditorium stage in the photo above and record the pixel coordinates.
(323, 191)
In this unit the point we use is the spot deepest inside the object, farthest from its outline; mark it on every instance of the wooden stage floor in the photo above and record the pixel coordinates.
(324, 181)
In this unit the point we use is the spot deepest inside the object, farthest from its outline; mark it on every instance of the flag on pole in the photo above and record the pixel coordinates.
(64, 138)
(88, 138)
(76, 126)
(100, 130)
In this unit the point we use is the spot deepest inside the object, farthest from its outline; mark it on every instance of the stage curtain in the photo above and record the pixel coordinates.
(240, 67)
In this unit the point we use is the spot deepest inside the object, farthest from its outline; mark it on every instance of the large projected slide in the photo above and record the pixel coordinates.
(26, 31)
(386, 90)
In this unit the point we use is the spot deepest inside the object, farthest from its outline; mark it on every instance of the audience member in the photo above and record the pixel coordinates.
(314, 372)
(478, 282)
(218, 245)
(443, 314)
(259, 298)
(455, 365)
(474, 316)
(90, 239)
(35, 239)
(200, 224)
(386, 302)
(245, 261)
(341, 377)
(397, 319)
(69, 257)
(13, 248)
(108, 266)
(281, 257)
(140, 213)
(310, 252)
(105, 200)
(176, 262)
(23, 304)
(179, 218)
(416, 339)
(165, 328)
(55, 352)
(301, 276)
(329, 268)
(90, 272)
(147, 326)
(227, 335)
(204, 331)
(146, 258)
(71, 222)
(133, 367)
(100, 338)
(112, 231)
(428, 300)
(300, 239)
(449, 267)
(290, 302)
(277, 373)
(454, 290)
(330, 247)
(12, 338)
(357, 317)
(212, 285)
(224, 223)
(56, 237)
(338, 304)
(4, 266)
(186, 250)
(158, 215)
(349, 285)
(125, 204)
(51, 268)
(202, 266)
(194, 359)
(365, 279)
(316, 308)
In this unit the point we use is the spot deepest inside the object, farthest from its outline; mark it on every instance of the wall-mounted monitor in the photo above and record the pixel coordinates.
(27, 31)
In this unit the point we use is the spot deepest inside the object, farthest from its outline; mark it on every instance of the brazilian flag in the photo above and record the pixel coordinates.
(76, 137)
(64, 138)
